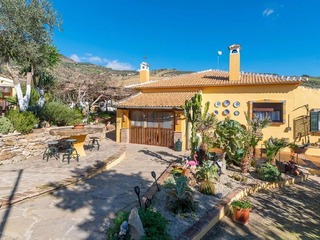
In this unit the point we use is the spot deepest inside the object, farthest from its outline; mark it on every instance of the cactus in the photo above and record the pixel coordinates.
(193, 113)
(233, 139)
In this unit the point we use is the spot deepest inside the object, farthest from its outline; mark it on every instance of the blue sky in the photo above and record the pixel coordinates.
(276, 36)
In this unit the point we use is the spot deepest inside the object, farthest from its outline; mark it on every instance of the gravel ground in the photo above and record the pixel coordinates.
(179, 223)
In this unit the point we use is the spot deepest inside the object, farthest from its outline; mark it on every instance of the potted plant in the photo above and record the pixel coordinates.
(298, 149)
(78, 126)
(241, 210)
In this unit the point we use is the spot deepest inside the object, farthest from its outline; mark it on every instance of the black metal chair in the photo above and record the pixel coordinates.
(51, 151)
(71, 152)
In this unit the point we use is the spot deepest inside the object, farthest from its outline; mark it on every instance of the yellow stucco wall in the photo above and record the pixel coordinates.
(294, 96)
(122, 122)
(180, 126)
(13, 92)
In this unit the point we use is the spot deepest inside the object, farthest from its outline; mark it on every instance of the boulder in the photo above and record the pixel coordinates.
(136, 230)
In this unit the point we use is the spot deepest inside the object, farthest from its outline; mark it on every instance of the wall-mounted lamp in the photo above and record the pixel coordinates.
(124, 118)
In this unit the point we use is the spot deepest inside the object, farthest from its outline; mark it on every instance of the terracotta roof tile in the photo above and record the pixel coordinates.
(219, 78)
(156, 100)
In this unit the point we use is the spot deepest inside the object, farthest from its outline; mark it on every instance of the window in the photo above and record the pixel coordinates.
(315, 120)
(275, 110)
(137, 118)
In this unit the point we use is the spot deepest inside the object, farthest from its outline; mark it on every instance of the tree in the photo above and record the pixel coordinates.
(26, 29)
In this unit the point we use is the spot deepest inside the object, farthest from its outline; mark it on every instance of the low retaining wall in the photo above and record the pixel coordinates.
(18, 147)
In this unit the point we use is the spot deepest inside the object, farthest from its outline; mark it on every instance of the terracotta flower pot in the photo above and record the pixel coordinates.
(78, 126)
(241, 215)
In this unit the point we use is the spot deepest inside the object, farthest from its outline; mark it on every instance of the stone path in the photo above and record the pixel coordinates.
(291, 213)
(35, 175)
(79, 212)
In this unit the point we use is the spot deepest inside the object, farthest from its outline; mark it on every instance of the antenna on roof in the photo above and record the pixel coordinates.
(219, 53)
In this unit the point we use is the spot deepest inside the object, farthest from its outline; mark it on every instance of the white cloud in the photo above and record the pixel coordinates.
(75, 58)
(267, 12)
(114, 64)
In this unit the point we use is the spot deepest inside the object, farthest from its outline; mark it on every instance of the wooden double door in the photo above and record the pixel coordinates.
(152, 127)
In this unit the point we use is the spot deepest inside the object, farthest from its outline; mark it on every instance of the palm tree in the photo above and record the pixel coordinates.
(255, 126)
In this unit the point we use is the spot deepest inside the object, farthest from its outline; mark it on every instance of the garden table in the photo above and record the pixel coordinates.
(78, 134)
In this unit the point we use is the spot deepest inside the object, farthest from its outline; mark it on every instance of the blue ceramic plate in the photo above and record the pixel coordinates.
(226, 112)
(226, 103)
(217, 104)
(236, 104)
(216, 112)
(236, 113)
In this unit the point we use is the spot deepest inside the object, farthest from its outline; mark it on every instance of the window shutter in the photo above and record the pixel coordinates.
(314, 121)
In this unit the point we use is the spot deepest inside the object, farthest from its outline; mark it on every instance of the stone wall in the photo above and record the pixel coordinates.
(18, 147)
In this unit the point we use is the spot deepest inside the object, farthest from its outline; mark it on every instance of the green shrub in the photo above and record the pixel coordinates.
(169, 183)
(154, 224)
(209, 171)
(241, 204)
(113, 231)
(5, 125)
(57, 113)
(23, 122)
(180, 200)
(268, 172)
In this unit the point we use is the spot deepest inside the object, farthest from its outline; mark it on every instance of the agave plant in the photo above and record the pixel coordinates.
(207, 172)
(180, 199)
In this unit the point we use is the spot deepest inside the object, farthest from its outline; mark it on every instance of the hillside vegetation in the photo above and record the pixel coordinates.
(313, 82)
(72, 77)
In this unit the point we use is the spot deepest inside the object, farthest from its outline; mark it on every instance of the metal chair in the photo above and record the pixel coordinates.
(51, 151)
(94, 141)
(71, 152)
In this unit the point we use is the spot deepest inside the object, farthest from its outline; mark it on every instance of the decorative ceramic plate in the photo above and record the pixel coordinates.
(217, 104)
(236, 113)
(236, 104)
(226, 103)
(226, 112)
(216, 112)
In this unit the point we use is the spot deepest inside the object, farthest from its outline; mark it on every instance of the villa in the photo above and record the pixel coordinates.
(6, 89)
(154, 116)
